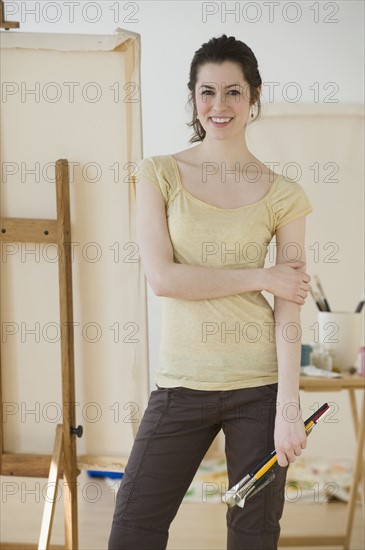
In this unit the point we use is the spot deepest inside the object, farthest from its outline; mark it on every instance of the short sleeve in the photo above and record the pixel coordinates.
(149, 171)
(288, 202)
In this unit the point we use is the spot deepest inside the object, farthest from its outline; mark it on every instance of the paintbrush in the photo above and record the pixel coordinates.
(316, 298)
(324, 299)
(252, 482)
(360, 305)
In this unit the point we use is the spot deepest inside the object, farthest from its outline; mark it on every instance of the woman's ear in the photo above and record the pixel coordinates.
(254, 99)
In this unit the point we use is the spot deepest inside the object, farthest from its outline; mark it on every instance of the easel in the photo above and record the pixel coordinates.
(64, 459)
(6, 24)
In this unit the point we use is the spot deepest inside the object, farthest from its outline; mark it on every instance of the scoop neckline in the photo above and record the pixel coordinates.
(177, 172)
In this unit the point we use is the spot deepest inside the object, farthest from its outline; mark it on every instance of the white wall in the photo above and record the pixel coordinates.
(313, 52)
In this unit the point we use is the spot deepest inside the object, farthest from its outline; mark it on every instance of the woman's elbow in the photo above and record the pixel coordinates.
(157, 283)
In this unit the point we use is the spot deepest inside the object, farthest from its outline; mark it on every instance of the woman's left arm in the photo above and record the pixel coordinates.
(289, 435)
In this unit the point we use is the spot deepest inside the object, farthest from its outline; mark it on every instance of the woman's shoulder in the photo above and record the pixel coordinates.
(288, 200)
(159, 166)
(155, 160)
(285, 186)
(160, 171)
(185, 154)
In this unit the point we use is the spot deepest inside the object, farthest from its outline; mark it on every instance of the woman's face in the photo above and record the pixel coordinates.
(222, 91)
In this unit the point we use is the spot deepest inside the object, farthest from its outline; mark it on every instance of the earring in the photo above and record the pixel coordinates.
(252, 111)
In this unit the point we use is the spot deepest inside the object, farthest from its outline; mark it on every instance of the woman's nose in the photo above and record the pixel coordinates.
(220, 98)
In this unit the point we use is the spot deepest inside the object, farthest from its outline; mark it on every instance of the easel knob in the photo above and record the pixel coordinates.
(77, 431)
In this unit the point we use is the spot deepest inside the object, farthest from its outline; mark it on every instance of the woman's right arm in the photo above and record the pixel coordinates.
(191, 282)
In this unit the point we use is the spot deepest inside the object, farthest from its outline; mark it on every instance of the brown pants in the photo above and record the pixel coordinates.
(177, 428)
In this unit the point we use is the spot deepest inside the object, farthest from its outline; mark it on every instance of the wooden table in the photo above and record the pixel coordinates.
(350, 383)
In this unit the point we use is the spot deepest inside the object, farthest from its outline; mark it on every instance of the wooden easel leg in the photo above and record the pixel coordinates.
(70, 506)
(357, 476)
(70, 471)
(53, 484)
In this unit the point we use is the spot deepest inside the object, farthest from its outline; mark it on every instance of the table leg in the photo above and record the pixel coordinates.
(357, 476)
(354, 409)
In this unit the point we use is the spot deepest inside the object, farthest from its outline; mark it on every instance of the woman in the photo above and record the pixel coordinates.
(205, 218)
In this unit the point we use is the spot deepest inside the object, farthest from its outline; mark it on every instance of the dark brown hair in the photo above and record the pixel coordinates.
(218, 50)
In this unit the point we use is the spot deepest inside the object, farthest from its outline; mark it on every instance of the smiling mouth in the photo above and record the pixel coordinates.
(220, 121)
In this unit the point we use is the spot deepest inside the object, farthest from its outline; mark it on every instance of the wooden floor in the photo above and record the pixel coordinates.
(196, 526)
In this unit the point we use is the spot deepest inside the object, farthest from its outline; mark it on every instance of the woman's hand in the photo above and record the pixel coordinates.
(286, 281)
(289, 433)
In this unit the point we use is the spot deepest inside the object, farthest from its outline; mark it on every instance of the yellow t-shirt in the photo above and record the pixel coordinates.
(228, 342)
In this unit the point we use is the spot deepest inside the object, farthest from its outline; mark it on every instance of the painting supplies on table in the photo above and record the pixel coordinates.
(321, 300)
(262, 474)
